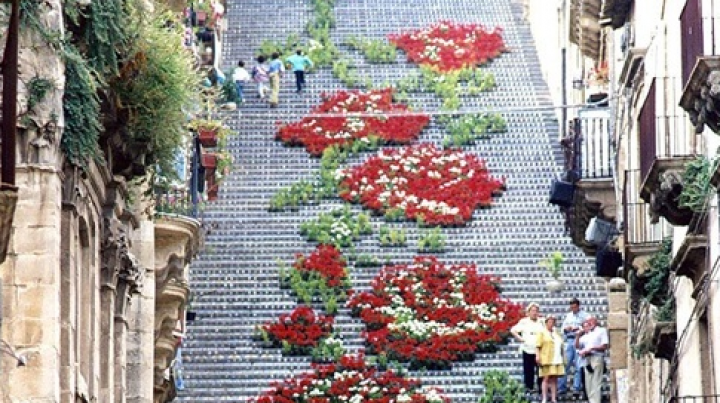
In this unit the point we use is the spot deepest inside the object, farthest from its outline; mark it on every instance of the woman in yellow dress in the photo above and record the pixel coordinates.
(550, 358)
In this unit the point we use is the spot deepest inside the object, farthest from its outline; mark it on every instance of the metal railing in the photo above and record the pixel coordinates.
(182, 197)
(665, 129)
(588, 148)
(638, 229)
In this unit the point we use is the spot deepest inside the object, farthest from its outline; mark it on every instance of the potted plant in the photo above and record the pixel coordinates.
(553, 264)
(208, 131)
(209, 161)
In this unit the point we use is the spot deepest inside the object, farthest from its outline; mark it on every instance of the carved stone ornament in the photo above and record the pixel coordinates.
(118, 263)
(701, 96)
(664, 201)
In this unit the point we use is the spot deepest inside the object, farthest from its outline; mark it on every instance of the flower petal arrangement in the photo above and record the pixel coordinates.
(318, 133)
(298, 332)
(323, 273)
(421, 182)
(447, 46)
(431, 314)
(350, 380)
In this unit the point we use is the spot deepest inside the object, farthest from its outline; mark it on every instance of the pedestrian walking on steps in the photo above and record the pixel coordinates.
(241, 77)
(260, 76)
(298, 63)
(571, 326)
(550, 358)
(275, 70)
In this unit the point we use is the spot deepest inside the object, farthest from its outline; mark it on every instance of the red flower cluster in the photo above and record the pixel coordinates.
(327, 261)
(350, 380)
(431, 314)
(447, 46)
(443, 187)
(302, 328)
(318, 133)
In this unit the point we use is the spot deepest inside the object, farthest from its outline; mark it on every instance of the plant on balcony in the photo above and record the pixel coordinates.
(697, 190)
(339, 227)
(657, 280)
(210, 131)
(422, 182)
(553, 264)
(431, 314)
(350, 380)
(298, 332)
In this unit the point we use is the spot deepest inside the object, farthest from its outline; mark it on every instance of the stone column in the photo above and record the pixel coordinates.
(141, 317)
(31, 290)
(618, 333)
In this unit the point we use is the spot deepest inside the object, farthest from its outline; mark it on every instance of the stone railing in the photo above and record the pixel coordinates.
(177, 240)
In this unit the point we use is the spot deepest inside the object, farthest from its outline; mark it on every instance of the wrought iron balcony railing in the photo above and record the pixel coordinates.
(588, 149)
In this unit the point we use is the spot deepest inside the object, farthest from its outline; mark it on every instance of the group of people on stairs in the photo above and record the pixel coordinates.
(549, 357)
(267, 75)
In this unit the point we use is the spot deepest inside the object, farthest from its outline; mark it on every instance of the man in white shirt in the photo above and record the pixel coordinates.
(571, 326)
(592, 344)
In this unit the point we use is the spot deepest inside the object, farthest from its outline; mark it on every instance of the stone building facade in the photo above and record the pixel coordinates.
(94, 285)
(660, 73)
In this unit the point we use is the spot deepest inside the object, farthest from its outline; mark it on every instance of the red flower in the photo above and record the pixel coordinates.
(317, 133)
(447, 46)
(430, 314)
(302, 329)
(443, 187)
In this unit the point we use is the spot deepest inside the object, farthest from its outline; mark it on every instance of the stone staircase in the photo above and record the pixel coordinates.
(236, 278)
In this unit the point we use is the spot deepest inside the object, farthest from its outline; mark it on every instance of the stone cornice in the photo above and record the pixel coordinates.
(176, 234)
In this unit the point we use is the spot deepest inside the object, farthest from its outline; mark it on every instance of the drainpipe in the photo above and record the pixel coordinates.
(8, 191)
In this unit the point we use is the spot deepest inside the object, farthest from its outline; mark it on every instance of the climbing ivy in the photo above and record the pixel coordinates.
(657, 287)
(38, 88)
(105, 34)
(696, 183)
(81, 107)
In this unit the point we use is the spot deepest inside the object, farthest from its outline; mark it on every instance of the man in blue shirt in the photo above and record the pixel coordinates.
(571, 326)
(299, 63)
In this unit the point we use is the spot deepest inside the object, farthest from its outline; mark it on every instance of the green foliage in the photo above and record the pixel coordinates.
(499, 386)
(697, 189)
(666, 312)
(339, 227)
(322, 51)
(156, 82)
(448, 86)
(367, 260)
(432, 240)
(38, 88)
(328, 349)
(309, 284)
(106, 34)
(553, 264)
(81, 107)
(657, 287)
(375, 50)
(344, 70)
(268, 47)
(392, 237)
(30, 13)
(466, 129)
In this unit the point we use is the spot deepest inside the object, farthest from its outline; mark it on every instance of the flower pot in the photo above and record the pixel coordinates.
(212, 192)
(209, 161)
(200, 18)
(555, 285)
(208, 137)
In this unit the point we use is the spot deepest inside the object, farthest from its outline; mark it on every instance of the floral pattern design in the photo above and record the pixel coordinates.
(447, 46)
(350, 380)
(300, 330)
(318, 133)
(439, 187)
(430, 314)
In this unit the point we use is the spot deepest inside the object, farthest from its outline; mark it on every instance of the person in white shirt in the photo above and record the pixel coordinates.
(240, 77)
(570, 326)
(526, 331)
(592, 342)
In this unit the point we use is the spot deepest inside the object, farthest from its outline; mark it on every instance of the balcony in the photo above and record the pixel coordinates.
(589, 160)
(699, 98)
(667, 143)
(664, 340)
(585, 30)
(690, 259)
(614, 13)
